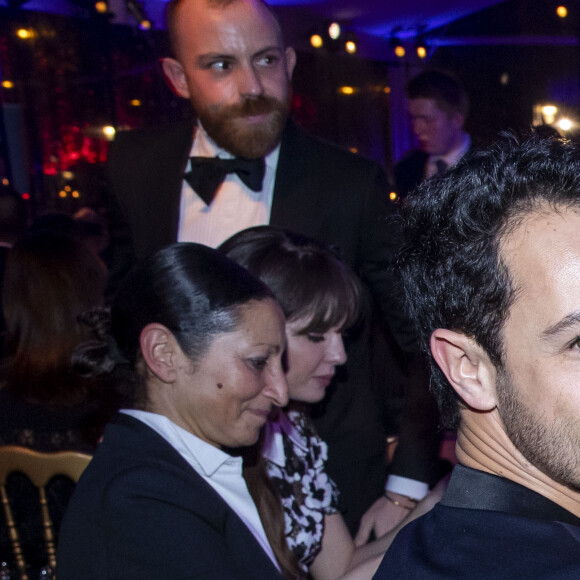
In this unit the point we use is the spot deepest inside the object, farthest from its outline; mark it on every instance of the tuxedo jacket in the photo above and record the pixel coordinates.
(487, 527)
(341, 199)
(410, 172)
(140, 511)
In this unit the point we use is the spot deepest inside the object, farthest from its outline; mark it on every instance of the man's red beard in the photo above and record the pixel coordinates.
(227, 125)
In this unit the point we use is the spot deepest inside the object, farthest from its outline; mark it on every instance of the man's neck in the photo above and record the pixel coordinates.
(483, 444)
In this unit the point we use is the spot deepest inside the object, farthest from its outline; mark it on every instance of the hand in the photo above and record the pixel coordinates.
(366, 569)
(430, 499)
(381, 517)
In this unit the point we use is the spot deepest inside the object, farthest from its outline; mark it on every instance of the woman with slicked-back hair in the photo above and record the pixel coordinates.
(196, 344)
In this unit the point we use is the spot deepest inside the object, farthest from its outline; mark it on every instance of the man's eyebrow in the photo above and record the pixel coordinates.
(209, 56)
(562, 325)
(267, 49)
(214, 56)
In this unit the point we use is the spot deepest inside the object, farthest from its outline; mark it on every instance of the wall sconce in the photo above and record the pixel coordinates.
(421, 48)
(398, 48)
(316, 40)
(351, 43)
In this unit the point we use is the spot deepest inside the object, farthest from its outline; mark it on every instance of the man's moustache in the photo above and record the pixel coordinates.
(257, 106)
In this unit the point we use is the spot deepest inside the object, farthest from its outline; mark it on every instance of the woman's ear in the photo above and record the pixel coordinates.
(175, 77)
(467, 367)
(158, 348)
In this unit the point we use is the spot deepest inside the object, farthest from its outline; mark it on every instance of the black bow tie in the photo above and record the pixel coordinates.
(207, 173)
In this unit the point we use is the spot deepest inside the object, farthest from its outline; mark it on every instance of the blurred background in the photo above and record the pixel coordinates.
(74, 72)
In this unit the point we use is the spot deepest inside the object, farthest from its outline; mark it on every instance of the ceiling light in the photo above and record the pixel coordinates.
(334, 30)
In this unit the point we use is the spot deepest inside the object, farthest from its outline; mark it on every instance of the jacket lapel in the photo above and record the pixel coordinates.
(293, 206)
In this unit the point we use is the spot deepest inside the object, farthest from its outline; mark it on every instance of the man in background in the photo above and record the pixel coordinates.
(242, 163)
(438, 107)
(492, 275)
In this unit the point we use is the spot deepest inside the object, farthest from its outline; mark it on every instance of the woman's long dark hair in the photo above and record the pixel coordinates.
(50, 279)
(267, 500)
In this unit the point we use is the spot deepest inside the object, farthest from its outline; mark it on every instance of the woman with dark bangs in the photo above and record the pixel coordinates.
(320, 298)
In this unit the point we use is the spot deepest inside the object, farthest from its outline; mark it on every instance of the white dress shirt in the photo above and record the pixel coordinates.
(234, 208)
(222, 471)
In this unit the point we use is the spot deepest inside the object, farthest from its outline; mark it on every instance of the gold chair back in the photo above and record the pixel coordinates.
(40, 468)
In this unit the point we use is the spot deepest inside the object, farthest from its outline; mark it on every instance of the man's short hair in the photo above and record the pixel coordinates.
(443, 88)
(452, 271)
(171, 17)
(173, 6)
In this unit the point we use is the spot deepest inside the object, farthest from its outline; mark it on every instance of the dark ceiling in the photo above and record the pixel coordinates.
(373, 21)
(370, 17)
(381, 17)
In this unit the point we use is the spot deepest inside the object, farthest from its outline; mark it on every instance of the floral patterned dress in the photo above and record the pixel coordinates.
(296, 458)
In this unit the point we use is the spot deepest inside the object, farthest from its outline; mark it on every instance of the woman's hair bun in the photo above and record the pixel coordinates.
(99, 355)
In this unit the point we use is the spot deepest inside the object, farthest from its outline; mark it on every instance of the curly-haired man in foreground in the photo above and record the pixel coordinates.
(492, 276)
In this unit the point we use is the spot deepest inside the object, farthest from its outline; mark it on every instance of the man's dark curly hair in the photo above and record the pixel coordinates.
(452, 269)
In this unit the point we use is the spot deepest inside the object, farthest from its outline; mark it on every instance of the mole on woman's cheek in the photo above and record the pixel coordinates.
(219, 386)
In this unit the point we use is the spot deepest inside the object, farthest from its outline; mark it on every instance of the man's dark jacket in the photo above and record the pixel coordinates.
(487, 527)
(410, 172)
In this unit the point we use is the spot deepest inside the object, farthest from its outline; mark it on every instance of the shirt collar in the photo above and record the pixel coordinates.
(474, 489)
(208, 457)
(274, 433)
(453, 156)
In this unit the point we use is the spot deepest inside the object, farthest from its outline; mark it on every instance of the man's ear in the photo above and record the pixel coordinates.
(175, 77)
(290, 61)
(467, 367)
(158, 348)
